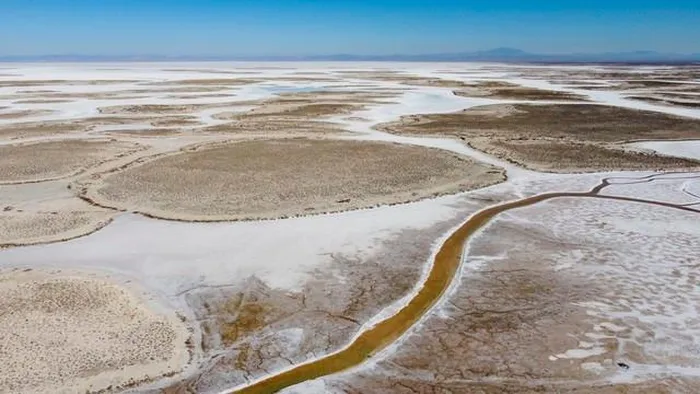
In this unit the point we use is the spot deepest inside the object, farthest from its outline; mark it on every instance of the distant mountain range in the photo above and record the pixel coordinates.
(509, 55)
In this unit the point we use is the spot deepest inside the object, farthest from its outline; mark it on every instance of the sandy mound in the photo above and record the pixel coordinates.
(81, 334)
(277, 178)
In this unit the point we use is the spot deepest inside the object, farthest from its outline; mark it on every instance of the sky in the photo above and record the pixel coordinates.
(323, 27)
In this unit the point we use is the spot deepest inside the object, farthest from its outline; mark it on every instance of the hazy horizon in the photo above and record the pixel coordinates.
(313, 28)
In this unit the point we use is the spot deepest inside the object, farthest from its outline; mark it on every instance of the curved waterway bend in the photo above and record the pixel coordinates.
(445, 266)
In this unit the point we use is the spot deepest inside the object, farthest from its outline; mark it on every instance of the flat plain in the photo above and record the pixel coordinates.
(349, 228)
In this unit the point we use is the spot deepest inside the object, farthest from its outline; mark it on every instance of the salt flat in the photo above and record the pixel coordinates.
(548, 297)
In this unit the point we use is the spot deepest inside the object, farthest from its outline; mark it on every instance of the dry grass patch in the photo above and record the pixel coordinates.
(55, 159)
(24, 113)
(42, 101)
(645, 85)
(155, 132)
(406, 79)
(127, 94)
(208, 71)
(566, 157)
(175, 121)
(665, 100)
(561, 137)
(152, 119)
(207, 82)
(54, 82)
(272, 128)
(580, 122)
(278, 178)
(40, 129)
(27, 228)
(164, 109)
(81, 334)
(356, 96)
(300, 78)
(305, 106)
(199, 96)
(118, 95)
(509, 91)
(296, 111)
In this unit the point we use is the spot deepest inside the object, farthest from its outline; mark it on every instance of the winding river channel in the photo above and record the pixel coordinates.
(444, 269)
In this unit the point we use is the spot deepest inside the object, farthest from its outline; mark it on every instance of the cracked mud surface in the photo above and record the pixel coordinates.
(558, 301)
(254, 329)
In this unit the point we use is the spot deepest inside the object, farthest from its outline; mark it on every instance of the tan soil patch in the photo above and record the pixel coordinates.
(155, 132)
(157, 109)
(647, 85)
(509, 91)
(278, 178)
(55, 159)
(120, 95)
(182, 89)
(561, 137)
(131, 94)
(567, 157)
(25, 113)
(662, 99)
(175, 122)
(207, 71)
(274, 128)
(581, 122)
(207, 82)
(199, 96)
(42, 101)
(679, 95)
(81, 334)
(164, 109)
(287, 78)
(293, 111)
(40, 129)
(405, 79)
(149, 118)
(298, 114)
(634, 75)
(27, 228)
(28, 83)
(360, 95)
(305, 106)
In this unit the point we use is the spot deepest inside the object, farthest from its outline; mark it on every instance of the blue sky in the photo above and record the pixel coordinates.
(297, 27)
